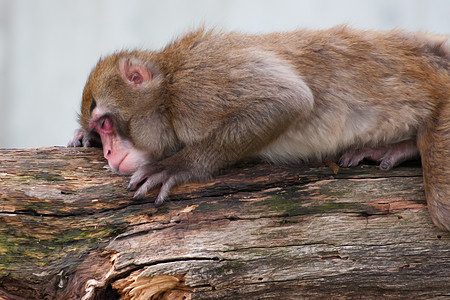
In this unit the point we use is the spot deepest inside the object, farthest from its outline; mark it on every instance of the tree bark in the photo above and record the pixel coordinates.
(69, 229)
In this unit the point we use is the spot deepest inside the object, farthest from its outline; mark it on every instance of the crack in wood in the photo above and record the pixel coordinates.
(278, 246)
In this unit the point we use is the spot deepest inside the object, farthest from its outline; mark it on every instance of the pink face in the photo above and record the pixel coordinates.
(121, 154)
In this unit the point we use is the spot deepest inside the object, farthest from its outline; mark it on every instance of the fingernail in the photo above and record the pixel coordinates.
(158, 202)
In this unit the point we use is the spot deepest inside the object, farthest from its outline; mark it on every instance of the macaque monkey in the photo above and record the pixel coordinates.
(210, 99)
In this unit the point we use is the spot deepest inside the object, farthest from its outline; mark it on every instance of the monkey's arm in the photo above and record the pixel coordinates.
(273, 97)
(235, 139)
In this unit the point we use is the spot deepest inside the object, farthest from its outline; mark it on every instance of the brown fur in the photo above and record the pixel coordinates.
(215, 98)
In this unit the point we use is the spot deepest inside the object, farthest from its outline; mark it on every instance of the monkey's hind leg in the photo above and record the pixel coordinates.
(434, 146)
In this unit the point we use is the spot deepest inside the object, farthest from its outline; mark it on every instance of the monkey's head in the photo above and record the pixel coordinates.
(124, 105)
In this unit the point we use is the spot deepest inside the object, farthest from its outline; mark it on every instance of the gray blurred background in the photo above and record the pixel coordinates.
(48, 47)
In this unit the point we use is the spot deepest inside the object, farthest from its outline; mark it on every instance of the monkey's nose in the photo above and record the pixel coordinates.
(107, 153)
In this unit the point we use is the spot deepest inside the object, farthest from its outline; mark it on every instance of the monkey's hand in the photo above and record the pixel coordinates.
(167, 172)
(81, 138)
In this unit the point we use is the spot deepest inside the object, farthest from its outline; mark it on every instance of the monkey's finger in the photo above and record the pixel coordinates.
(74, 143)
(164, 192)
(137, 178)
(86, 142)
(150, 183)
(134, 182)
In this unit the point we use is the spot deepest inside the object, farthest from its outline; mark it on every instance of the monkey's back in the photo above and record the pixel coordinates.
(370, 88)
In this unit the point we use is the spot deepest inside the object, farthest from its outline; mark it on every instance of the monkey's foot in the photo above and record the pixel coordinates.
(388, 156)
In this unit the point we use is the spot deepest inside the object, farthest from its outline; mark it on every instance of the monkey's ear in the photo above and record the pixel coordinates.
(134, 73)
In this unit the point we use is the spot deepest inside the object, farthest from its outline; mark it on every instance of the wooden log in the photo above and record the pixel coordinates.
(70, 230)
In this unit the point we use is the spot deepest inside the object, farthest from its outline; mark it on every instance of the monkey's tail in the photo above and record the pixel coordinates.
(434, 146)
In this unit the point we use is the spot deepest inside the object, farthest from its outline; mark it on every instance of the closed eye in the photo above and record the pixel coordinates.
(104, 125)
(93, 105)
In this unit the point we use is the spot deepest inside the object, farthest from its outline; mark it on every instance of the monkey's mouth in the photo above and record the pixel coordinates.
(128, 164)
(119, 168)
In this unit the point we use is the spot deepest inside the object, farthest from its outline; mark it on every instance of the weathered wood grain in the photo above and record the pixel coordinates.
(70, 230)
